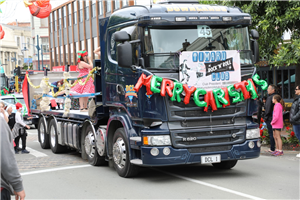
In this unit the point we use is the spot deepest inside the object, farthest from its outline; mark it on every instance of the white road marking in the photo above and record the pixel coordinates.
(213, 186)
(36, 153)
(55, 169)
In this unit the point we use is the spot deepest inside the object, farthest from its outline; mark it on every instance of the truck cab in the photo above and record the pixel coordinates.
(152, 130)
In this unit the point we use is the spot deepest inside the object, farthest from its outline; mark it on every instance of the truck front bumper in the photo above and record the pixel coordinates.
(183, 156)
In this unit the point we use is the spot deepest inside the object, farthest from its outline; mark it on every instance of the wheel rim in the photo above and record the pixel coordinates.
(52, 135)
(119, 153)
(89, 144)
(42, 133)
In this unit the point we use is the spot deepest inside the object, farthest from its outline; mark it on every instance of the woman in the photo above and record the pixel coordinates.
(295, 114)
(19, 131)
(277, 123)
(3, 113)
(84, 65)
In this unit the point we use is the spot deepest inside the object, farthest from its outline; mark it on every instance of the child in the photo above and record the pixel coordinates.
(277, 123)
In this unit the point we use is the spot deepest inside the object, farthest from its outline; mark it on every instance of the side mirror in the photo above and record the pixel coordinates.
(120, 36)
(255, 51)
(255, 34)
(124, 55)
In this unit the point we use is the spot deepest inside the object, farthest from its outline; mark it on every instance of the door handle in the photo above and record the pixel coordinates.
(120, 89)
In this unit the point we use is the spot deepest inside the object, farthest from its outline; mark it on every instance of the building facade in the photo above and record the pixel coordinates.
(74, 26)
(12, 54)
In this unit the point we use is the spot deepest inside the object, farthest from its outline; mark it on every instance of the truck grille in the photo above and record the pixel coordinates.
(213, 138)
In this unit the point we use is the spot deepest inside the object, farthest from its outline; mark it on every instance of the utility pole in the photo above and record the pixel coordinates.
(38, 51)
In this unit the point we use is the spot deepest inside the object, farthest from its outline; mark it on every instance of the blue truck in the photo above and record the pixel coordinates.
(132, 128)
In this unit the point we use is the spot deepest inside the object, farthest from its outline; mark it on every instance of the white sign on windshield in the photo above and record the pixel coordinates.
(204, 31)
(210, 69)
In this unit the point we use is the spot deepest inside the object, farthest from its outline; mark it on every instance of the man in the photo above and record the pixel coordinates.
(19, 131)
(11, 181)
(269, 115)
(295, 114)
(11, 117)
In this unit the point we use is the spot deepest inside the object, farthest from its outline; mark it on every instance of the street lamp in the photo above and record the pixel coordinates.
(38, 51)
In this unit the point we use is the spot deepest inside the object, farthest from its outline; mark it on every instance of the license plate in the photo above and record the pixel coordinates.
(211, 159)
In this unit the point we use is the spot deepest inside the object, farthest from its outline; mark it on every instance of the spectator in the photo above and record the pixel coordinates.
(60, 101)
(277, 123)
(3, 113)
(11, 181)
(295, 114)
(268, 115)
(11, 117)
(19, 130)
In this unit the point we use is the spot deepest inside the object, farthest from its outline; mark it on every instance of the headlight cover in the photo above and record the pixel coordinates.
(161, 140)
(252, 133)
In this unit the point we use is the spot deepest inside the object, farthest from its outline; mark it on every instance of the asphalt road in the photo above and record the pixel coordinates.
(67, 176)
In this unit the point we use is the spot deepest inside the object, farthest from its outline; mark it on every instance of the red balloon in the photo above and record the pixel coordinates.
(188, 93)
(2, 33)
(0, 28)
(39, 9)
(225, 89)
(144, 80)
(242, 86)
(210, 100)
(43, 3)
(167, 85)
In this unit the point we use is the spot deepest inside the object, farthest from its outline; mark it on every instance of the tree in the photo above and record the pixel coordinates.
(271, 19)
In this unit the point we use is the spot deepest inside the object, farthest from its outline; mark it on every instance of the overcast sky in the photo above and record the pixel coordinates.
(15, 9)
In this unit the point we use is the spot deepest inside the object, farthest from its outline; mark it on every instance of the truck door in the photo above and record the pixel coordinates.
(122, 81)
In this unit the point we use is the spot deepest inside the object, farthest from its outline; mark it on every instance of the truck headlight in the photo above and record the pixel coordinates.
(252, 133)
(161, 140)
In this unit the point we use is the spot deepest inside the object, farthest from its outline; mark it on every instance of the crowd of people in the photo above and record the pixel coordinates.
(272, 109)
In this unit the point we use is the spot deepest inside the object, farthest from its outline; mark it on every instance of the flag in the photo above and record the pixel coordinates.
(25, 93)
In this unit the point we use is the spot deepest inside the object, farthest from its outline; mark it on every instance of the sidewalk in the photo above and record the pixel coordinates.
(265, 148)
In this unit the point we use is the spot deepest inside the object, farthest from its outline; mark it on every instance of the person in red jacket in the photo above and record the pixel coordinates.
(277, 123)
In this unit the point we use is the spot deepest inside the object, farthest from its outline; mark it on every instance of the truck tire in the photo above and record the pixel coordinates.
(121, 159)
(42, 134)
(91, 148)
(225, 164)
(55, 147)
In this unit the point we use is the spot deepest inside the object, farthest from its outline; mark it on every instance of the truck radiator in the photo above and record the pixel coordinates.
(208, 139)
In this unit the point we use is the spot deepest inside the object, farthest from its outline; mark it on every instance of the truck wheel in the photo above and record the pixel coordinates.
(55, 147)
(91, 149)
(43, 136)
(121, 155)
(225, 164)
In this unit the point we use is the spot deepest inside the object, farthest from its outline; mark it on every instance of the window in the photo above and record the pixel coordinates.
(100, 8)
(125, 3)
(117, 4)
(75, 17)
(108, 6)
(45, 44)
(44, 22)
(81, 15)
(28, 42)
(87, 13)
(18, 41)
(94, 9)
(65, 16)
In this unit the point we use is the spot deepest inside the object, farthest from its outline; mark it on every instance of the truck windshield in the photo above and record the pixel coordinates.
(163, 45)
